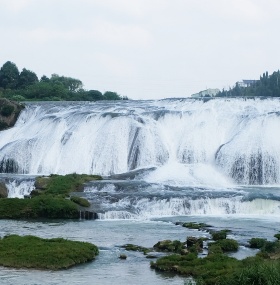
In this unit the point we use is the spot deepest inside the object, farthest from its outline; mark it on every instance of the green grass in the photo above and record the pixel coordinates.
(59, 185)
(34, 252)
(209, 269)
(38, 207)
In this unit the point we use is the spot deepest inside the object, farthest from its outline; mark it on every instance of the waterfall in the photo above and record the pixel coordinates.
(209, 141)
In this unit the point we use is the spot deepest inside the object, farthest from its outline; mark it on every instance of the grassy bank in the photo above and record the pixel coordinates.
(34, 252)
(38, 207)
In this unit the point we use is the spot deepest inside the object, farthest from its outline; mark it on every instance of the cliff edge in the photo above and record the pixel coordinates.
(9, 112)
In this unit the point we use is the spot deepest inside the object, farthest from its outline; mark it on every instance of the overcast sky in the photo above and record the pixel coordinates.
(144, 49)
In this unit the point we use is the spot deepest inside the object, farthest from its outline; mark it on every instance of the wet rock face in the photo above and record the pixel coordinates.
(9, 112)
(3, 190)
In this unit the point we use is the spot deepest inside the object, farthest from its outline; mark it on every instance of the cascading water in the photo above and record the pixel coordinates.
(184, 143)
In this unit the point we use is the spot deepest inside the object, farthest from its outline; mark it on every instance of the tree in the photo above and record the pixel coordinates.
(70, 83)
(109, 95)
(27, 78)
(94, 95)
(44, 78)
(9, 75)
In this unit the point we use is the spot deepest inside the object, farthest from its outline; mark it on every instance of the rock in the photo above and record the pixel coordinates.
(3, 190)
(9, 112)
(122, 256)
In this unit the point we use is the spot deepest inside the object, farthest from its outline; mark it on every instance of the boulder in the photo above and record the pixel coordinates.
(3, 190)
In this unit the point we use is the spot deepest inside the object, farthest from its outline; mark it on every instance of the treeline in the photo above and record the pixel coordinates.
(267, 85)
(26, 85)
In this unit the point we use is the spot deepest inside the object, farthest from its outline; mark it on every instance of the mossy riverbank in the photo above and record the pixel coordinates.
(53, 254)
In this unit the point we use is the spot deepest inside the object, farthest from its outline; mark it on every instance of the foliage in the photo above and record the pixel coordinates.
(277, 236)
(9, 76)
(220, 269)
(258, 274)
(34, 252)
(170, 246)
(209, 269)
(257, 242)
(219, 235)
(267, 85)
(27, 78)
(25, 85)
(227, 245)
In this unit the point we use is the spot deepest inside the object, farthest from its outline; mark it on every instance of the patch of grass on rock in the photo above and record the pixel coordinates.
(34, 252)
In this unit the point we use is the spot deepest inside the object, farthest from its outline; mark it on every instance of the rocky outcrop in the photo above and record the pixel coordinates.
(3, 190)
(9, 112)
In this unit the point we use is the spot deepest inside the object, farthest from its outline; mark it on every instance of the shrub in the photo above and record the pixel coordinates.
(228, 245)
(219, 235)
(277, 236)
(257, 242)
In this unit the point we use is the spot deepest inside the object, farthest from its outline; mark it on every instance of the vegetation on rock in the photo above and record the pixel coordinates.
(48, 200)
(34, 252)
(9, 112)
(198, 226)
(219, 269)
(38, 207)
(62, 186)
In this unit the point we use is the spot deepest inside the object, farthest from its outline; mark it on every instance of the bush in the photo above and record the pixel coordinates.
(227, 245)
(169, 246)
(277, 236)
(263, 274)
(219, 235)
(257, 242)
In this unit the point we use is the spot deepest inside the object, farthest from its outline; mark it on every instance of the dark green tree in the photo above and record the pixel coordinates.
(71, 84)
(109, 95)
(9, 76)
(44, 78)
(94, 95)
(27, 78)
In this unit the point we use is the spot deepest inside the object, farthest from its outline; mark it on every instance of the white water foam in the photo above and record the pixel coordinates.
(19, 188)
(216, 140)
(148, 209)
